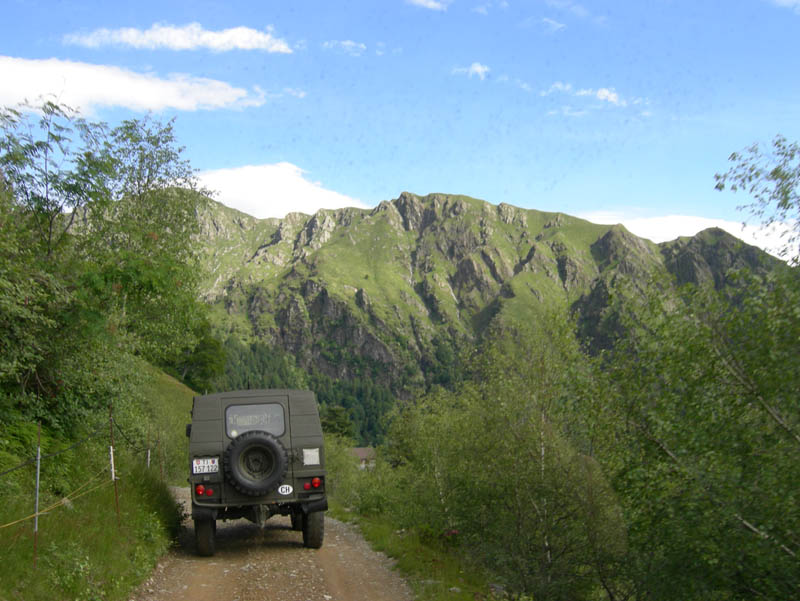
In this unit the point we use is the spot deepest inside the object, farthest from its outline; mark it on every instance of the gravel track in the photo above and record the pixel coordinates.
(270, 563)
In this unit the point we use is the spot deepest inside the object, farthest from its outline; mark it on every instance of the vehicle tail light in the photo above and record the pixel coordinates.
(315, 482)
(199, 490)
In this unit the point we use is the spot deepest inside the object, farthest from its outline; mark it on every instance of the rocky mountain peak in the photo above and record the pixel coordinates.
(353, 291)
(318, 230)
(620, 249)
(707, 257)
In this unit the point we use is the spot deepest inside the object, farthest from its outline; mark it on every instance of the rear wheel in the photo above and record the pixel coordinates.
(205, 535)
(313, 529)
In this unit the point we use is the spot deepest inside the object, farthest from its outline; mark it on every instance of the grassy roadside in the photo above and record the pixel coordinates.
(169, 404)
(434, 571)
(84, 550)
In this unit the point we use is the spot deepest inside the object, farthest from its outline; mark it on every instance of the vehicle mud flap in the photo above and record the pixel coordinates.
(204, 513)
(314, 506)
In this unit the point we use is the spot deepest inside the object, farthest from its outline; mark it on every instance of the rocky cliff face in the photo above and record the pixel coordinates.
(366, 292)
(709, 256)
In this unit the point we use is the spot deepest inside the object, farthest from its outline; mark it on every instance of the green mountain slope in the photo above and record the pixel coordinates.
(375, 293)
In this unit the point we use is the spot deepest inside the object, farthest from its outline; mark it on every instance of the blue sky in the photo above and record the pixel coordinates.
(615, 111)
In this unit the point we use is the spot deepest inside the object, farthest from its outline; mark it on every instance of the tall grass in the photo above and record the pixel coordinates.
(85, 550)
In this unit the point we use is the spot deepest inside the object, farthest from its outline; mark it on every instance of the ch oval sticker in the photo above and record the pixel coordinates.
(285, 489)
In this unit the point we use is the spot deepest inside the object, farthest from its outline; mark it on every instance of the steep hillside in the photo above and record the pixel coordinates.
(379, 292)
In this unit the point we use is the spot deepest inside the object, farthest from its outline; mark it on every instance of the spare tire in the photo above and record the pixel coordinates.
(255, 463)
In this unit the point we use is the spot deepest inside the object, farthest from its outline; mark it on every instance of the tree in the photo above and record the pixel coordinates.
(501, 465)
(702, 404)
(772, 178)
(336, 421)
(142, 242)
(56, 166)
(96, 251)
(202, 365)
(28, 292)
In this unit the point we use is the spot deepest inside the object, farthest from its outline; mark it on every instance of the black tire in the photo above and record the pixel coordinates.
(313, 529)
(205, 536)
(255, 463)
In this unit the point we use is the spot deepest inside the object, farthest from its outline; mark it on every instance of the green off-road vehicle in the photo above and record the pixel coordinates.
(254, 454)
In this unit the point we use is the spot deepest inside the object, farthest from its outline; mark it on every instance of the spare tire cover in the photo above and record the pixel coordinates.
(255, 463)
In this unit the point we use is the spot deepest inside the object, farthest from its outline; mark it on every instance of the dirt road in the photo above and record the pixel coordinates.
(252, 564)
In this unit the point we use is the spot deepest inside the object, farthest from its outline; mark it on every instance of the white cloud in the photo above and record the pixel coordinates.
(609, 95)
(431, 4)
(669, 227)
(86, 87)
(273, 190)
(552, 25)
(187, 37)
(474, 69)
(483, 9)
(606, 94)
(347, 46)
(568, 111)
(557, 87)
(793, 4)
(522, 85)
(576, 10)
(297, 93)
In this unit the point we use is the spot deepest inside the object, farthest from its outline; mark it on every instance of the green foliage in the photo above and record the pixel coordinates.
(336, 421)
(366, 403)
(353, 407)
(97, 270)
(29, 293)
(97, 259)
(57, 163)
(490, 467)
(258, 365)
(342, 466)
(145, 269)
(201, 365)
(665, 467)
(705, 401)
(84, 551)
(444, 366)
(772, 179)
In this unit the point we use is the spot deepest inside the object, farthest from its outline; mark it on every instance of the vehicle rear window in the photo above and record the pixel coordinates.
(267, 417)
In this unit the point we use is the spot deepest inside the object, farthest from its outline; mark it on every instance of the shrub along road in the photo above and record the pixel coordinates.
(271, 563)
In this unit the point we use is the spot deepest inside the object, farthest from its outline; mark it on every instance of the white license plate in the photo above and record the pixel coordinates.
(205, 465)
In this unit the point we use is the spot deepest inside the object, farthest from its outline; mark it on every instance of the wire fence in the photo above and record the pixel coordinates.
(92, 484)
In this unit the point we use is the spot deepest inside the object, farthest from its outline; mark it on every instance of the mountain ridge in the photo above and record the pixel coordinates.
(374, 292)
